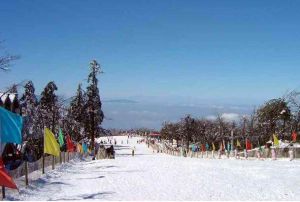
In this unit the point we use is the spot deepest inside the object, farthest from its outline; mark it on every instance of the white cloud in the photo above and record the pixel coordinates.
(230, 116)
(211, 117)
(143, 113)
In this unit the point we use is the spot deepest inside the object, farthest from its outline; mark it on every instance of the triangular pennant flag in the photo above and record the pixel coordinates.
(259, 146)
(51, 145)
(238, 144)
(84, 148)
(276, 141)
(248, 144)
(213, 147)
(11, 127)
(61, 138)
(228, 146)
(206, 146)
(294, 136)
(70, 145)
(5, 179)
(79, 148)
(203, 147)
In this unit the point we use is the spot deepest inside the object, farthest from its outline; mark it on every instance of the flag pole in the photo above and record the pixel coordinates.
(43, 163)
(53, 162)
(26, 173)
(3, 188)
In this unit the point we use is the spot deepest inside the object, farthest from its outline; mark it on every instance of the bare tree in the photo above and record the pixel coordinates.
(6, 59)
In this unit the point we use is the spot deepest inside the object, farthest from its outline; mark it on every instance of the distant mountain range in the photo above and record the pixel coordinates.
(125, 101)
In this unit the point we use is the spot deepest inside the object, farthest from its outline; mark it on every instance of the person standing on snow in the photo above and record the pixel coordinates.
(132, 152)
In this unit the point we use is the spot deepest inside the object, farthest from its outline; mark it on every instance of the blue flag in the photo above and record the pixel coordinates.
(10, 127)
(84, 148)
(207, 146)
(228, 146)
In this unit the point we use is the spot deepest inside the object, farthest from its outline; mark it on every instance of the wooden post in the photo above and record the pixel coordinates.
(26, 173)
(53, 162)
(43, 164)
(3, 192)
(68, 157)
(60, 159)
(64, 157)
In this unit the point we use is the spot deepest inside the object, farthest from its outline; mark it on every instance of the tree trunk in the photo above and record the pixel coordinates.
(187, 144)
(93, 132)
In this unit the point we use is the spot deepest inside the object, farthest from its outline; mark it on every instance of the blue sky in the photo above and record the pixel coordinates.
(175, 52)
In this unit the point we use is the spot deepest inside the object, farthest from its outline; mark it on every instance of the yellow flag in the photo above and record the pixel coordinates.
(238, 144)
(213, 147)
(51, 145)
(276, 141)
(79, 148)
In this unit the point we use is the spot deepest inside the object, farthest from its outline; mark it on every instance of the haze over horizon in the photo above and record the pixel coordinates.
(162, 59)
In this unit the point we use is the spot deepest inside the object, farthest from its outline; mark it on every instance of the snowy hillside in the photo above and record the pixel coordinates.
(152, 176)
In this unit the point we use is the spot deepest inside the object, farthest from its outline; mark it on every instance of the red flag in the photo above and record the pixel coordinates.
(70, 145)
(294, 136)
(5, 179)
(203, 147)
(221, 146)
(248, 144)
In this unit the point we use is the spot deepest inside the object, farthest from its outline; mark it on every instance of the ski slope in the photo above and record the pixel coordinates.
(152, 176)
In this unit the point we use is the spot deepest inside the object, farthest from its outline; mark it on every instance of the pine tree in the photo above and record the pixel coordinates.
(49, 109)
(76, 115)
(13, 104)
(77, 105)
(94, 116)
(29, 104)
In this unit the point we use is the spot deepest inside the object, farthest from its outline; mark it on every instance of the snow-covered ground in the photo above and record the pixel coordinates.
(152, 176)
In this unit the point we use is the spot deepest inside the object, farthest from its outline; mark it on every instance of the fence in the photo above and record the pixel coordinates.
(38, 165)
(265, 153)
(51, 161)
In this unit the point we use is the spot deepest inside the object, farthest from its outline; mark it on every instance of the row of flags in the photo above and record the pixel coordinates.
(52, 146)
(248, 144)
(11, 125)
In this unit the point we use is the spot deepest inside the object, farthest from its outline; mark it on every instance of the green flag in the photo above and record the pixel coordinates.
(60, 138)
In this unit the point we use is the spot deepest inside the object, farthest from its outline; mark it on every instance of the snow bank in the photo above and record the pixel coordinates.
(156, 176)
